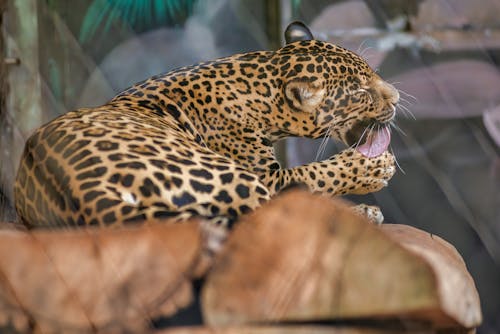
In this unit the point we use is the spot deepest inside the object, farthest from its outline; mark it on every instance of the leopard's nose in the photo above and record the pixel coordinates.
(387, 91)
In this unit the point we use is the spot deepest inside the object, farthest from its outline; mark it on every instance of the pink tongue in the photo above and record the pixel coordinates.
(376, 144)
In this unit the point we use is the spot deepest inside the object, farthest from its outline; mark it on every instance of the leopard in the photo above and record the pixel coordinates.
(198, 141)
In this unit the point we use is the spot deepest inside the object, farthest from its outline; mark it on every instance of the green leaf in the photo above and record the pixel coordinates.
(138, 14)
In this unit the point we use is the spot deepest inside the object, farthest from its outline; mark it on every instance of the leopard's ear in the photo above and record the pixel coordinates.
(297, 31)
(304, 95)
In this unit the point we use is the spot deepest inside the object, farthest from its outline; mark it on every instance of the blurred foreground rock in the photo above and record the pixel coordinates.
(299, 260)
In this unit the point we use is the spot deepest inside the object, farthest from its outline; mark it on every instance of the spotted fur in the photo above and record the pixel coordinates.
(198, 140)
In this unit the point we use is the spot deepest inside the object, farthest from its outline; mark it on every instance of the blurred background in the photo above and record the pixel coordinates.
(443, 55)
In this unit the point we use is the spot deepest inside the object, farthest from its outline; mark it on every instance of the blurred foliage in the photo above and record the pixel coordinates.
(295, 8)
(138, 14)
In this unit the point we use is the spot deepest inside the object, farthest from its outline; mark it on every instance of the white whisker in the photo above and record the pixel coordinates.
(360, 47)
(397, 128)
(323, 144)
(408, 94)
(369, 136)
(321, 149)
(355, 145)
(402, 99)
(396, 159)
(364, 53)
(407, 111)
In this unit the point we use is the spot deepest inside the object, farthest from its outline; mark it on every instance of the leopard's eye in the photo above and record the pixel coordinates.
(362, 91)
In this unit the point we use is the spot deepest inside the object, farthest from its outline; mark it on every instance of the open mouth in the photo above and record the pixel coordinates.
(370, 138)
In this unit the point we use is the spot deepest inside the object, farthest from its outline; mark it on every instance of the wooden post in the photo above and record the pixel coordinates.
(21, 90)
(24, 96)
(273, 32)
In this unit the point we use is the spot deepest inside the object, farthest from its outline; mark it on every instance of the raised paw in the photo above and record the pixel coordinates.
(371, 212)
(362, 175)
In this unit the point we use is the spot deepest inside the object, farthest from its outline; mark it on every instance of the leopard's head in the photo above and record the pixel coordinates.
(343, 97)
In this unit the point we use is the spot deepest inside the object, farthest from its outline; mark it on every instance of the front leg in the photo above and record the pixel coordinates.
(371, 212)
(348, 172)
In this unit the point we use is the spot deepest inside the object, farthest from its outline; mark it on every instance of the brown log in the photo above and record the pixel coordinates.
(96, 279)
(459, 298)
(299, 258)
(298, 329)
(308, 258)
